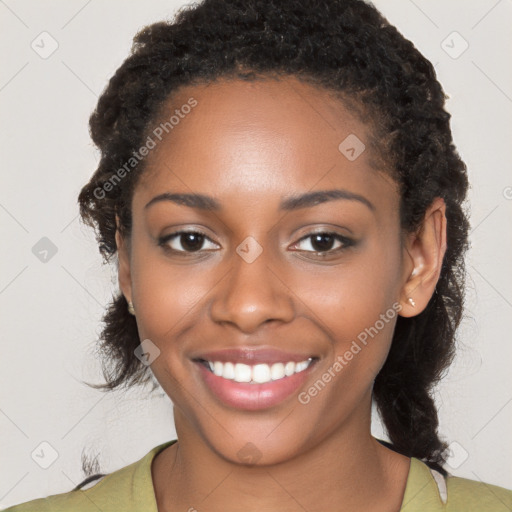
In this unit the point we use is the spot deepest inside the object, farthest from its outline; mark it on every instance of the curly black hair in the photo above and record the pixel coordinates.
(346, 47)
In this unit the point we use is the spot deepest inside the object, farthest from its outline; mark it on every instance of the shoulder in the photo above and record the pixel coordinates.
(429, 491)
(477, 496)
(129, 489)
(99, 495)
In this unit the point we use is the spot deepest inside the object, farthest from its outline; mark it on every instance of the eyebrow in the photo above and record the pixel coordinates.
(307, 200)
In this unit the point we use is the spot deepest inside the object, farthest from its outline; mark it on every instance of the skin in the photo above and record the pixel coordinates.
(249, 145)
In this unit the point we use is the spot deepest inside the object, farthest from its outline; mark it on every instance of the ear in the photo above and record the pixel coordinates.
(124, 274)
(425, 251)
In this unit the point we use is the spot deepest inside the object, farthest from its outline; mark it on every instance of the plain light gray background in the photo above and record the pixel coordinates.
(50, 311)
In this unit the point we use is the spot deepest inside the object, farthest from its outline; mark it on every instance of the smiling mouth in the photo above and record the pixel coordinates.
(258, 373)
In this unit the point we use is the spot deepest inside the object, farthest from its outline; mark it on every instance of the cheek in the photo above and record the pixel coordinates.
(352, 295)
(167, 296)
(357, 306)
(352, 315)
(359, 319)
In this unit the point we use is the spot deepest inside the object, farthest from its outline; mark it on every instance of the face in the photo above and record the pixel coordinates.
(249, 275)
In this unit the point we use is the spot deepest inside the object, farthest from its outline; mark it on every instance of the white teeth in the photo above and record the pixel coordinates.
(289, 368)
(259, 373)
(301, 366)
(228, 371)
(218, 368)
(242, 372)
(277, 371)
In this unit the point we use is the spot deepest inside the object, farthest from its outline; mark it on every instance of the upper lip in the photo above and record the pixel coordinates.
(252, 356)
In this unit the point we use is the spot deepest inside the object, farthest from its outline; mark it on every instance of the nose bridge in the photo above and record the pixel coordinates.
(252, 294)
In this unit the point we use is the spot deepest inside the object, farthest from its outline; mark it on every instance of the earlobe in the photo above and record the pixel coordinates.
(425, 249)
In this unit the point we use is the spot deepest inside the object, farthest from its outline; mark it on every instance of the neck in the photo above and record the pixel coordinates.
(348, 469)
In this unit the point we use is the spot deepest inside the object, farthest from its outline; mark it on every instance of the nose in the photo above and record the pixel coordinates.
(252, 294)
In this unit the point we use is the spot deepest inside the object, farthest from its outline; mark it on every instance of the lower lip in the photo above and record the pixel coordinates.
(253, 397)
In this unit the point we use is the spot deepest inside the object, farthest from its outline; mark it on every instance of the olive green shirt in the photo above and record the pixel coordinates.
(130, 489)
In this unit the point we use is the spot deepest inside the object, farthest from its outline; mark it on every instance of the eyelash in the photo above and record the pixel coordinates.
(346, 242)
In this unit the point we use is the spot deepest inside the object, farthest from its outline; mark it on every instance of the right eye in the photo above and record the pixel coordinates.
(190, 241)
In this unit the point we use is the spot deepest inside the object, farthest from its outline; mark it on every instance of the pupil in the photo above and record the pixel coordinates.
(192, 241)
(322, 242)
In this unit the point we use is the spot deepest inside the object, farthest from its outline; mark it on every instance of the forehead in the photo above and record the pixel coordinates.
(260, 139)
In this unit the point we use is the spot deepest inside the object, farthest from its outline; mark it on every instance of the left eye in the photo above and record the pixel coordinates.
(324, 242)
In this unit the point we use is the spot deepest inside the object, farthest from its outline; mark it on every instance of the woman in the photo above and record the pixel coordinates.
(279, 183)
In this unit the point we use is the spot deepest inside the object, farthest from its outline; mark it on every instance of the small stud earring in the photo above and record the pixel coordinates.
(130, 308)
(411, 302)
